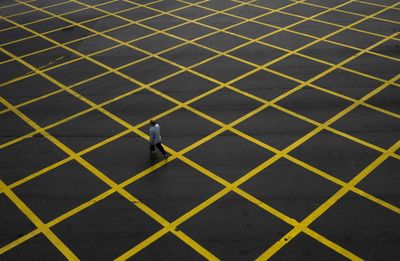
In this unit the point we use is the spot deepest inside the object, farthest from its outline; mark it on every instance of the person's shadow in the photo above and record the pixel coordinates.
(153, 156)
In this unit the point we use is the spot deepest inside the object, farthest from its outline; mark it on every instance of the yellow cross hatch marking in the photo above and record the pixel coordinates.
(170, 227)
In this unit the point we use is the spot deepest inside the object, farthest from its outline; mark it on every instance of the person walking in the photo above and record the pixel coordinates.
(155, 138)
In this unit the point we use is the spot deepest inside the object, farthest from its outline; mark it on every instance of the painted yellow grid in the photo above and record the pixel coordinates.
(107, 49)
(298, 227)
(286, 29)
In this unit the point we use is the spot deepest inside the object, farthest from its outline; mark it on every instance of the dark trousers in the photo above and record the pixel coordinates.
(159, 146)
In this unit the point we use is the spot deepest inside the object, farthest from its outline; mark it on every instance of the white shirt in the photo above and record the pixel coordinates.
(155, 134)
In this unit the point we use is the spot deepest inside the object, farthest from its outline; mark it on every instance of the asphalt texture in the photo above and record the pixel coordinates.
(281, 119)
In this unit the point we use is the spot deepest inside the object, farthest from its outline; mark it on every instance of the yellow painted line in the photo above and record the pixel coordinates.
(353, 13)
(319, 172)
(19, 241)
(245, 195)
(80, 208)
(198, 248)
(255, 201)
(83, 162)
(135, 247)
(38, 223)
(279, 244)
(61, 64)
(15, 14)
(83, 22)
(322, 21)
(165, 33)
(218, 195)
(33, 73)
(132, 22)
(16, 4)
(219, 30)
(304, 34)
(363, 174)
(40, 172)
(98, 174)
(104, 50)
(294, 223)
(355, 48)
(72, 60)
(314, 170)
(178, 221)
(329, 203)
(312, 36)
(214, 50)
(358, 14)
(373, 165)
(54, 92)
(344, 62)
(69, 118)
(369, 95)
(30, 11)
(360, 141)
(93, 147)
(322, 38)
(89, 79)
(371, 3)
(318, 124)
(95, 77)
(292, 234)
(56, 221)
(376, 200)
(42, 50)
(342, 184)
(332, 244)
(253, 18)
(27, 12)
(143, 244)
(97, 106)
(188, 241)
(308, 57)
(19, 78)
(340, 67)
(98, 144)
(338, 132)
(313, 133)
(353, 100)
(67, 43)
(185, 39)
(48, 18)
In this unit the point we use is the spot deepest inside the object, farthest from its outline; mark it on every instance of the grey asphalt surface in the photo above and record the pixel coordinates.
(281, 119)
